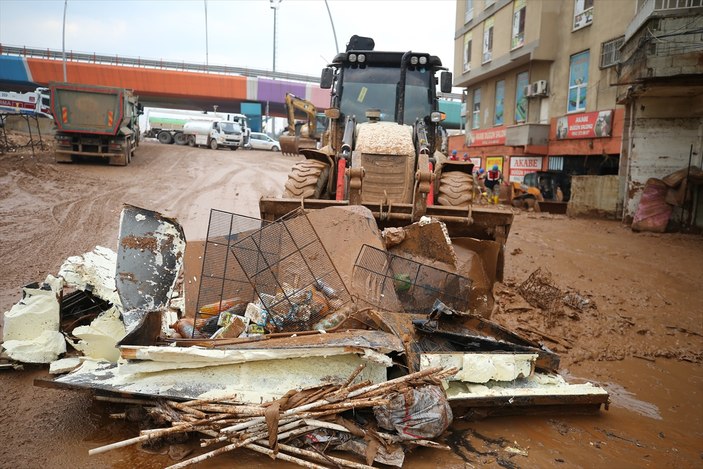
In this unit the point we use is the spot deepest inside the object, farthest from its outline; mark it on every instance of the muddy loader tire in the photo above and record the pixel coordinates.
(307, 180)
(455, 189)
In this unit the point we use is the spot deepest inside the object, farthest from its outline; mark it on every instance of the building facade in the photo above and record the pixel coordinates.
(660, 85)
(585, 87)
(539, 77)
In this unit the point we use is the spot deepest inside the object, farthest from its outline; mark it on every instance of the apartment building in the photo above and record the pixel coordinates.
(539, 78)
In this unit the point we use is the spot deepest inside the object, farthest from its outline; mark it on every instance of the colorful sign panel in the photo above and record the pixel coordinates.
(587, 125)
(487, 137)
(494, 161)
(521, 165)
(476, 160)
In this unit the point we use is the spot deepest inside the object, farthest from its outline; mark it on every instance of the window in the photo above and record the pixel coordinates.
(583, 13)
(519, 9)
(487, 40)
(476, 110)
(469, 13)
(610, 52)
(498, 119)
(521, 97)
(578, 82)
(467, 52)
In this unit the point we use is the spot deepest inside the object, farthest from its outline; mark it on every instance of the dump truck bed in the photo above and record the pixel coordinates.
(87, 109)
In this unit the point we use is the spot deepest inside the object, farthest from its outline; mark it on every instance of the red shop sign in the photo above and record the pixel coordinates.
(587, 125)
(486, 137)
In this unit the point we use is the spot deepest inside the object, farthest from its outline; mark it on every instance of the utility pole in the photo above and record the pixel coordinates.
(207, 61)
(63, 40)
(274, 6)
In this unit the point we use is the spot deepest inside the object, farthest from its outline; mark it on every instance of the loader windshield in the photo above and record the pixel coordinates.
(376, 88)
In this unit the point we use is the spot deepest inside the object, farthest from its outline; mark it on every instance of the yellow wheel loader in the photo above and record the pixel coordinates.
(380, 149)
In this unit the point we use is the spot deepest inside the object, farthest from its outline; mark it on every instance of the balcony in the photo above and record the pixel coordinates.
(527, 134)
(660, 8)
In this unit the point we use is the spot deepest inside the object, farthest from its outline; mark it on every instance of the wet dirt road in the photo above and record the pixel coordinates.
(642, 341)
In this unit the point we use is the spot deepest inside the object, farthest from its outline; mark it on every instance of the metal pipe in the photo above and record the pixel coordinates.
(400, 101)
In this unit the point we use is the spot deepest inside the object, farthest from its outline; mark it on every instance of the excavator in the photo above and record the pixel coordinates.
(302, 135)
(381, 149)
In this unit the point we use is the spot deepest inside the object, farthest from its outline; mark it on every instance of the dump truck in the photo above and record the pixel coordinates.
(95, 121)
(381, 149)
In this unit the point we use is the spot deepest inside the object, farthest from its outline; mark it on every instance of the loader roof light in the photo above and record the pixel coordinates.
(352, 58)
(362, 58)
(423, 60)
(413, 60)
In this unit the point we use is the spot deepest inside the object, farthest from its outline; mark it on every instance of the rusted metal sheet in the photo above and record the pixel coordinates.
(452, 330)
(149, 258)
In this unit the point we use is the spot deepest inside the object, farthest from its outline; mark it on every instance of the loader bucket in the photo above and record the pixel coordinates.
(292, 145)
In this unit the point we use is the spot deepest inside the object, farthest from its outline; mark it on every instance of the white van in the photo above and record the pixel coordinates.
(261, 141)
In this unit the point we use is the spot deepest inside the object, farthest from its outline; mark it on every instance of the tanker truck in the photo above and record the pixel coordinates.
(231, 133)
(168, 130)
(94, 121)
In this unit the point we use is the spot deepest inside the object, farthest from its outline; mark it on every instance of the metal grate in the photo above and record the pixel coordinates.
(292, 275)
(223, 284)
(539, 291)
(392, 283)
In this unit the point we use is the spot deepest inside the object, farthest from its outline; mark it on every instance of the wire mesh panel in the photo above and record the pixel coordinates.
(296, 284)
(223, 285)
(393, 283)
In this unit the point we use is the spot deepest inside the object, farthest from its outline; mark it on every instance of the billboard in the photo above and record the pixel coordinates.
(486, 137)
(521, 165)
(586, 125)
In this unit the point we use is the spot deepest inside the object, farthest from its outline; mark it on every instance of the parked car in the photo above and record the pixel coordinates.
(261, 141)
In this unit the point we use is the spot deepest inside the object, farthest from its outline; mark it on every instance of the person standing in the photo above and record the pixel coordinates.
(493, 180)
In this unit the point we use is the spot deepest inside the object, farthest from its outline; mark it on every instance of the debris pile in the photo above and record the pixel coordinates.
(299, 343)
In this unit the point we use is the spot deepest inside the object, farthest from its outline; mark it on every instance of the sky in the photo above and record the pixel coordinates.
(239, 32)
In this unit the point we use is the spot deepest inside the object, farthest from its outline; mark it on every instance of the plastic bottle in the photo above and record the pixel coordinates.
(331, 321)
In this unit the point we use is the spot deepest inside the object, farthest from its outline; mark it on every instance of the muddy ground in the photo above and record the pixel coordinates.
(643, 340)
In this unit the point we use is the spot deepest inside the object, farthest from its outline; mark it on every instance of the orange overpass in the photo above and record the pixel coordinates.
(162, 83)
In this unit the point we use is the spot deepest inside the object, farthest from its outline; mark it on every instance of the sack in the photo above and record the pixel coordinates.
(419, 413)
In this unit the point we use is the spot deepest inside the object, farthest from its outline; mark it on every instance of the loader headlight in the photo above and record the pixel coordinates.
(423, 60)
(352, 58)
(362, 58)
(413, 60)
(437, 116)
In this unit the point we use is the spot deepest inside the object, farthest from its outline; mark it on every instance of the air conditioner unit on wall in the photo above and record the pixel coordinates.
(539, 88)
(527, 91)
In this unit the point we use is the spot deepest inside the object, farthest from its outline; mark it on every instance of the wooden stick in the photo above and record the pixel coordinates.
(123, 400)
(322, 459)
(284, 457)
(214, 453)
(121, 416)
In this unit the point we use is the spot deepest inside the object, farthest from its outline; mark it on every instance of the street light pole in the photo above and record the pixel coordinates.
(63, 40)
(274, 6)
(334, 32)
(207, 61)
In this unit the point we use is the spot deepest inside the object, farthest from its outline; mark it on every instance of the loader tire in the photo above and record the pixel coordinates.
(455, 189)
(307, 180)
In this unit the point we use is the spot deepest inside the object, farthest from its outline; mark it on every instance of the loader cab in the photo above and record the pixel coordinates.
(365, 79)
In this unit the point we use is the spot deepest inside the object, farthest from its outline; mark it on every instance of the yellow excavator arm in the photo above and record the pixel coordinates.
(292, 143)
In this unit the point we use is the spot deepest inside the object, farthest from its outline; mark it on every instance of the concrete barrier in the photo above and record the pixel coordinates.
(594, 195)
